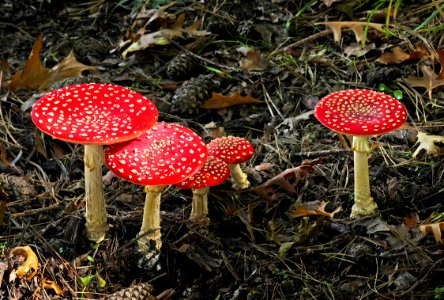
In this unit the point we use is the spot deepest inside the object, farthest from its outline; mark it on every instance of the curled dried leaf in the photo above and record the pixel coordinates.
(435, 229)
(218, 101)
(52, 285)
(427, 142)
(28, 268)
(302, 211)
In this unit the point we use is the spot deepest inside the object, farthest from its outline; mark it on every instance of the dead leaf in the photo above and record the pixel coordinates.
(434, 228)
(28, 268)
(264, 166)
(411, 221)
(218, 101)
(52, 285)
(357, 27)
(254, 60)
(427, 142)
(164, 36)
(396, 55)
(36, 76)
(287, 180)
(441, 61)
(429, 80)
(302, 211)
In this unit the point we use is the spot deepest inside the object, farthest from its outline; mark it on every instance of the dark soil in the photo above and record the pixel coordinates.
(253, 248)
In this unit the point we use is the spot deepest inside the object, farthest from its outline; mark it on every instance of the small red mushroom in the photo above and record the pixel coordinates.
(234, 151)
(166, 154)
(361, 113)
(214, 172)
(94, 114)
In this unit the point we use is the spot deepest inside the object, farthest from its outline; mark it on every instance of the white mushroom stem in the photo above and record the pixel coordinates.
(239, 179)
(150, 231)
(199, 206)
(96, 217)
(364, 204)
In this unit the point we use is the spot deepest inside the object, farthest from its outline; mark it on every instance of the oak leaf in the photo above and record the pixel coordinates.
(218, 101)
(396, 55)
(429, 80)
(287, 180)
(435, 229)
(28, 268)
(302, 211)
(427, 142)
(357, 27)
(37, 76)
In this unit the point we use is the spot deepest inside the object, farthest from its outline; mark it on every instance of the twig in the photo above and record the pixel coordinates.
(307, 40)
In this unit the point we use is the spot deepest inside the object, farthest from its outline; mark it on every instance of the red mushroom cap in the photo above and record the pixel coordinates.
(232, 150)
(360, 112)
(94, 113)
(214, 172)
(165, 154)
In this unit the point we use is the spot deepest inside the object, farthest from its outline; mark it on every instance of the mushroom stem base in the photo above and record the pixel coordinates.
(95, 215)
(239, 180)
(199, 207)
(150, 232)
(364, 204)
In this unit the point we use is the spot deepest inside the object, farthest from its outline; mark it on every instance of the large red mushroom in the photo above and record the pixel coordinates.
(166, 154)
(94, 114)
(215, 171)
(234, 151)
(361, 113)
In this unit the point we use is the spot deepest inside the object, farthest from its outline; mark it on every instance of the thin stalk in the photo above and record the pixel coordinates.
(150, 230)
(96, 217)
(364, 204)
(199, 206)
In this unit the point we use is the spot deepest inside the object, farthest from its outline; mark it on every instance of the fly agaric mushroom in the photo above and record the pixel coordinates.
(361, 113)
(94, 114)
(166, 154)
(214, 172)
(234, 151)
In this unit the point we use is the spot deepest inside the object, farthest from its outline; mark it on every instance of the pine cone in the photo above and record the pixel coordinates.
(245, 28)
(141, 291)
(181, 67)
(192, 94)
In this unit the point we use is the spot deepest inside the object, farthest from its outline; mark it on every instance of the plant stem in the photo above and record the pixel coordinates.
(364, 204)
(150, 230)
(96, 217)
(199, 207)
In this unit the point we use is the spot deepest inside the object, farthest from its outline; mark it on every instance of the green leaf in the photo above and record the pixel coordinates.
(85, 281)
(382, 87)
(397, 94)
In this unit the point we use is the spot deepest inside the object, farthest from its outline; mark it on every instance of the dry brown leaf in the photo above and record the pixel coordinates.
(357, 27)
(287, 180)
(37, 76)
(429, 80)
(28, 268)
(441, 61)
(434, 228)
(411, 221)
(427, 142)
(302, 211)
(396, 55)
(164, 36)
(218, 101)
(52, 285)
(254, 60)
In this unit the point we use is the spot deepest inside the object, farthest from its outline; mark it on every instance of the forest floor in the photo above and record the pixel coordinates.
(250, 68)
